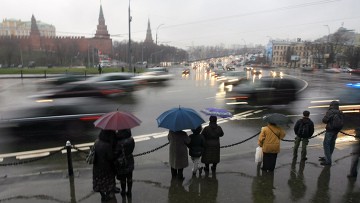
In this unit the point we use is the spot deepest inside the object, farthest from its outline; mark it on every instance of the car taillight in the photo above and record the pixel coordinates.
(107, 92)
(89, 118)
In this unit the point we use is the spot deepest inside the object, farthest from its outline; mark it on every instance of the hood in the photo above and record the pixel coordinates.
(334, 105)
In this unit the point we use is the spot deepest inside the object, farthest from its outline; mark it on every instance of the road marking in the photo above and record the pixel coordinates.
(28, 156)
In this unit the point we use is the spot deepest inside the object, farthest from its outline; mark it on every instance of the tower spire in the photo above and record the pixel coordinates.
(101, 31)
(148, 38)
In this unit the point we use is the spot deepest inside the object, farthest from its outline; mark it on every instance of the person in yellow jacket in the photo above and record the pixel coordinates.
(269, 139)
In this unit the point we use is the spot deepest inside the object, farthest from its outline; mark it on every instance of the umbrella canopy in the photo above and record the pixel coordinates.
(181, 118)
(117, 120)
(222, 113)
(277, 118)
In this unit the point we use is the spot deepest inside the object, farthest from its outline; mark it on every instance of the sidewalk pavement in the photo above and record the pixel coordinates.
(237, 179)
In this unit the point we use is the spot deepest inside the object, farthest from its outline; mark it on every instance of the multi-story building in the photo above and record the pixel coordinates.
(13, 27)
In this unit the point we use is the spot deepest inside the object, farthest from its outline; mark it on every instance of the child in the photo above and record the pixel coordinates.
(196, 148)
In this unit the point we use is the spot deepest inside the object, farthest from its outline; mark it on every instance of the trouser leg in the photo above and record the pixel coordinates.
(305, 142)
(122, 179)
(327, 147)
(180, 173)
(296, 146)
(333, 141)
(173, 172)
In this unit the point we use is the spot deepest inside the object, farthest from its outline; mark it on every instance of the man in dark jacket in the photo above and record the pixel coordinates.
(304, 129)
(331, 132)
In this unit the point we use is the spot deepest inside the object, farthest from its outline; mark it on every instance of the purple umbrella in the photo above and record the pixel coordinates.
(222, 113)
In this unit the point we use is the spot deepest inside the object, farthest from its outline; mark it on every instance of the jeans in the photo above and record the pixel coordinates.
(329, 145)
(305, 142)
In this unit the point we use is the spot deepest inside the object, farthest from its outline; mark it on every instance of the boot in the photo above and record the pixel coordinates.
(123, 188)
(129, 184)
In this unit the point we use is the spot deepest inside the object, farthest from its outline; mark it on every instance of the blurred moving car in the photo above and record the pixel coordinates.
(186, 71)
(232, 77)
(307, 68)
(124, 81)
(158, 74)
(345, 69)
(355, 71)
(256, 71)
(59, 80)
(264, 91)
(332, 70)
(248, 68)
(276, 73)
(81, 90)
(67, 117)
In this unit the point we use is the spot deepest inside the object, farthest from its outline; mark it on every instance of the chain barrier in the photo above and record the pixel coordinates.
(150, 151)
(33, 159)
(153, 150)
(230, 145)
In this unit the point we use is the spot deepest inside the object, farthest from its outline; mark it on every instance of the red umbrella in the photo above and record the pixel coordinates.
(117, 120)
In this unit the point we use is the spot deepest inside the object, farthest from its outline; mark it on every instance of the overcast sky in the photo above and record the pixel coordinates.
(185, 23)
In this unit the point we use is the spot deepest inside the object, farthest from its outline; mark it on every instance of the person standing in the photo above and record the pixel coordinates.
(304, 129)
(334, 119)
(355, 156)
(196, 148)
(178, 153)
(99, 68)
(123, 151)
(212, 134)
(269, 139)
(103, 167)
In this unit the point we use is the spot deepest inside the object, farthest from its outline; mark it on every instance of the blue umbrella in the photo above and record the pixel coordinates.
(222, 113)
(180, 118)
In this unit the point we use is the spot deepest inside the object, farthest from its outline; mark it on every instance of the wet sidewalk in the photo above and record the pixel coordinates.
(238, 179)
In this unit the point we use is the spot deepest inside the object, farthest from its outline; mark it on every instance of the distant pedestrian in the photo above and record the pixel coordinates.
(196, 149)
(103, 167)
(178, 153)
(269, 139)
(334, 120)
(355, 156)
(99, 68)
(304, 129)
(212, 134)
(124, 160)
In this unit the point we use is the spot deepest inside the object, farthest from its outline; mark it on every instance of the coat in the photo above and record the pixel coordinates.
(212, 134)
(103, 167)
(328, 116)
(304, 120)
(178, 152)
(269, 141)
(128, 144)
(196, 146)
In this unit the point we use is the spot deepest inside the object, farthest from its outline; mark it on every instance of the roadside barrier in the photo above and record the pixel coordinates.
(69, 148)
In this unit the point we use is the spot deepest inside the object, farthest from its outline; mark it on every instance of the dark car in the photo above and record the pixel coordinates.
(264, 91)
(59, 80)
(81, 90)
(67, 117)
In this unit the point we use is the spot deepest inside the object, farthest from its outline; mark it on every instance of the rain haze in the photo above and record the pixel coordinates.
(189, 23)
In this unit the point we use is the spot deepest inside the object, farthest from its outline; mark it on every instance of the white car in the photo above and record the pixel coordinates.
(345, 69)
(154, 76)
(332, 70)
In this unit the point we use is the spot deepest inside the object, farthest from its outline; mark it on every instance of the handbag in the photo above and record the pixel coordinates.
(91, 155)
(258, 154)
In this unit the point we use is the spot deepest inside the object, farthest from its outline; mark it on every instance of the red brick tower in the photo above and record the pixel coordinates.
(101, 31)
(35, 39)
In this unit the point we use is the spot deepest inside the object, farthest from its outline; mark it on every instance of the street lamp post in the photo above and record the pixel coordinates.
(129, 52)
(156, 41)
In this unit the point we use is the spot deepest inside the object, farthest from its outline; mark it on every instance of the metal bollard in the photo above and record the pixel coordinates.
(69, 159)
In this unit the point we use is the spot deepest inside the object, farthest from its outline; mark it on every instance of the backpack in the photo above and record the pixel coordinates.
(304, 130)
(337, 121)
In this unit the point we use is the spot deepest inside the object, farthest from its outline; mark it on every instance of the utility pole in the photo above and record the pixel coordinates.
(130, 65)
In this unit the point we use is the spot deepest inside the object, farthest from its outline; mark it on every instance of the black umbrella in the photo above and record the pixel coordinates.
(277, 118)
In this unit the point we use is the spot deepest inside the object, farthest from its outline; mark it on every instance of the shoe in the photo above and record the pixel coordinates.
(325, 164)
(321, 158)
(303, 159)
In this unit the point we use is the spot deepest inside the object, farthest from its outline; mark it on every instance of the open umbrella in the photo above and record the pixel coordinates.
(222, 113)
(117, 120)
(277, 118)
(180, 118)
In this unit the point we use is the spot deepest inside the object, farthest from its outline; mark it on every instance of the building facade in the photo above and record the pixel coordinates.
(12, 27)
